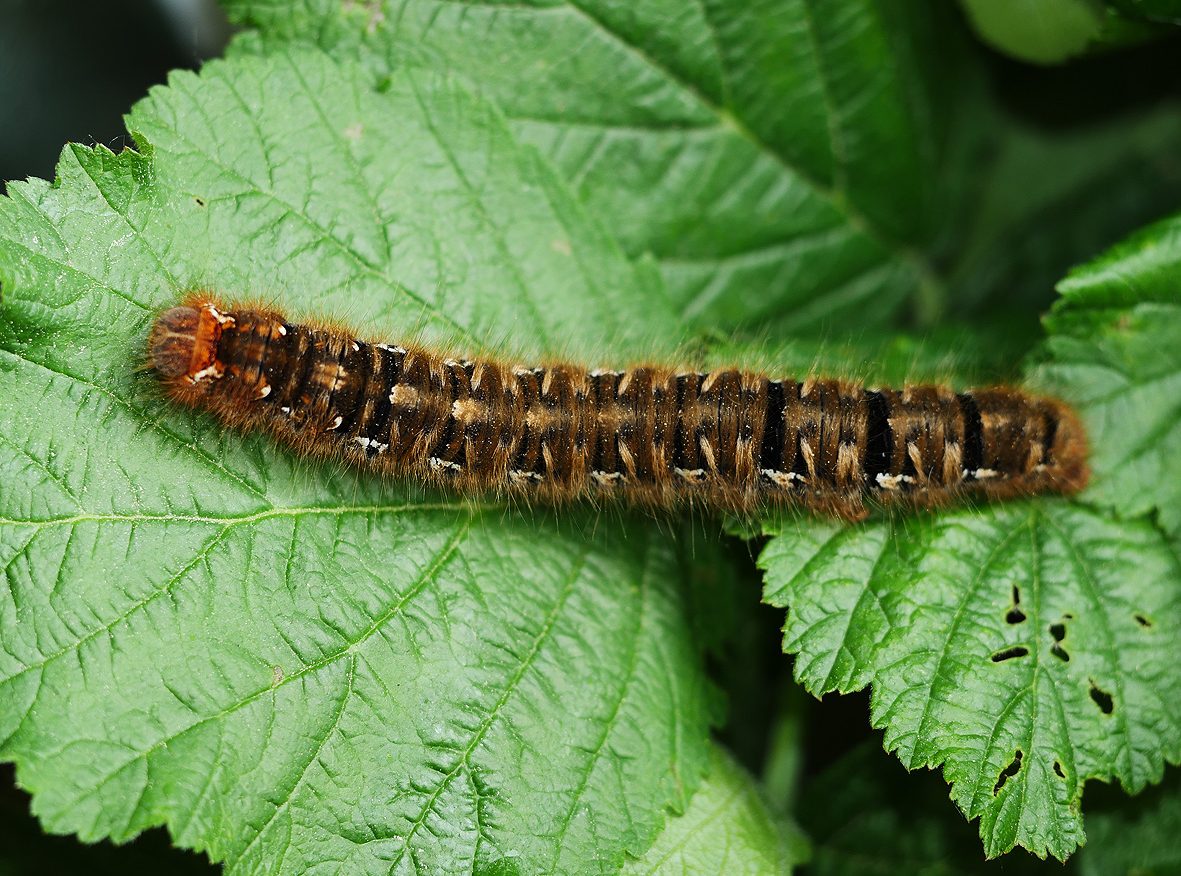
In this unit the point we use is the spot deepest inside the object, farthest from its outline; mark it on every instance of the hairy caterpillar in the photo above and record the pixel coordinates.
(728, 439)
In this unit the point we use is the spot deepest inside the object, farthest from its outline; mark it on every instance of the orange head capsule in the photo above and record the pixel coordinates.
(173, 341)
(183, 342)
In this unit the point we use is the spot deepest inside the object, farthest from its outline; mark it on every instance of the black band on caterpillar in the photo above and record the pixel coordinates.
(729, 439)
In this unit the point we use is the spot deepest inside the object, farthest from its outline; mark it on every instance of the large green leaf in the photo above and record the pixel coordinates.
(289, 666)
(1027, 647)
(783, 161)
(1024, 648)
(1115, 347)
(727, 828)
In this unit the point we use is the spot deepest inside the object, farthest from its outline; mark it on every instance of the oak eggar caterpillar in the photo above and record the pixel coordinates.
(729, 439)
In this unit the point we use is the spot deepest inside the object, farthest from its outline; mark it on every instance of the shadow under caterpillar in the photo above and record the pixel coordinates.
(728, 439)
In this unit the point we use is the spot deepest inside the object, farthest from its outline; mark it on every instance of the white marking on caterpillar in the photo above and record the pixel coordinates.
(625, 383)
(809, 456)
(215, 371)
(224, 320)
(404, 396)
(781, 478)
(371, 444)
(707, 451)
(893, 482)
(466, 410)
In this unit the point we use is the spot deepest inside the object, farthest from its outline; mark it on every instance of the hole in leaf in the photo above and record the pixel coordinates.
(1142, 620)
(1008, 772)
(1058, 631)
(1015, 615)
(1010, 653)
(200, 201)
(1102, 699)
(1058, 770)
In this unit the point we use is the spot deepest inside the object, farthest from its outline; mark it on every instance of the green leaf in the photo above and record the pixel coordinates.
(289, 666)
(1025, 648)
(726, 829)
(1050, 31)
(776, 158)
(1115, 349)
(1138, 837)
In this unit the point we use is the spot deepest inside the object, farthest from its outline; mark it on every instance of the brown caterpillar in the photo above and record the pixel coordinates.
(728, 439)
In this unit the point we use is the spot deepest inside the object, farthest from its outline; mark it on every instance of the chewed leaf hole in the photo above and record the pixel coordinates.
(1142, 620)
(1058, 631)
(1010, 653)
(1015, 615)
(1008, 772)
(1102, 699)
(1058, 770)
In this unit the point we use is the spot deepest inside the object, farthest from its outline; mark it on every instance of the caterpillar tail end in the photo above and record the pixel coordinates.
(1070, 451)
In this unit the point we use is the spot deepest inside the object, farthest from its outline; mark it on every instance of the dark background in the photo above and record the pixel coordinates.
(69, 69)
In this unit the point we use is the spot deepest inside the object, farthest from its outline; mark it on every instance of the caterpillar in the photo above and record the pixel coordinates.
(727, 439)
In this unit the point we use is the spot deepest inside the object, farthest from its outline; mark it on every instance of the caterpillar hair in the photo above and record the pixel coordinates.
(728, 439)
